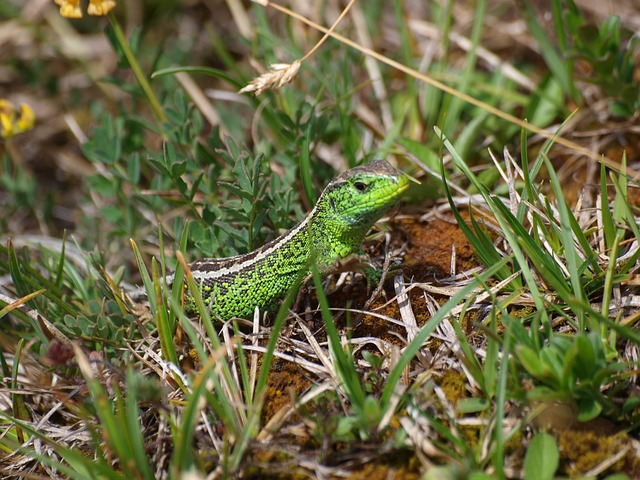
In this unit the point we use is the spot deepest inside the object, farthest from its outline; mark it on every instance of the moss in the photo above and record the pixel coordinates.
(583, 450)
(522, 312)
(471, 434)
(514, 449)
(453, 384)
(268, 473)
(286, 379)
(401, 466)
(468, 321)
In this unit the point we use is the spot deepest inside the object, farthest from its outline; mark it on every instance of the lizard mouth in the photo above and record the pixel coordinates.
(385, 198)
(403, 184)
(395, 190)
(392, 191)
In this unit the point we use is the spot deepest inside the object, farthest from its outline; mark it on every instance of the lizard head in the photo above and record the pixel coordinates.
(360, 196)
(349, 206)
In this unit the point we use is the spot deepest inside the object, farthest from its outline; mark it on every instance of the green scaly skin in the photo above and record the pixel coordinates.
(334, 229)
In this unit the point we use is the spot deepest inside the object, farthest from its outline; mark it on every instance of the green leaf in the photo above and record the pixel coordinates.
(554, 363)
(442, 473)
(617, 476)
(480, 476)
(588, 409)
(371, 412)
(630, 404)
(546, 104)
(530, 360)
(473, 405)
(541, 460)
(585, 360)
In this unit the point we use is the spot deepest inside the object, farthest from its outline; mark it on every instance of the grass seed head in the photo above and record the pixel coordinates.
(279, 74)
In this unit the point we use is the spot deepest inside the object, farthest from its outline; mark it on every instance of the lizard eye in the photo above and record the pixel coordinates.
(360, 186)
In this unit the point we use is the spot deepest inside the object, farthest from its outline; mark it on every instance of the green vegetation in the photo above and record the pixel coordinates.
(143, 157)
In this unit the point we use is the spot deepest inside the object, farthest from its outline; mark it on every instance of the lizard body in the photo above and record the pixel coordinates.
(334, 229)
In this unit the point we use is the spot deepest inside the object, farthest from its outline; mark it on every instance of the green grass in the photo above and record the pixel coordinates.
(469, 380)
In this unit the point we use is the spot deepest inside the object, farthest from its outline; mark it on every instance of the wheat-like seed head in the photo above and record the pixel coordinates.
(279, 74)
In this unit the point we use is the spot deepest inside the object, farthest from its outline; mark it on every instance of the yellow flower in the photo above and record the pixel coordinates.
(70, 8)
(6, 129)
(100, 7)
(6, 114)
(10, 124)
(27, 118)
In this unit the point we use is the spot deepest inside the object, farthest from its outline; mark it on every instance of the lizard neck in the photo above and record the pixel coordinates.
(331, 235)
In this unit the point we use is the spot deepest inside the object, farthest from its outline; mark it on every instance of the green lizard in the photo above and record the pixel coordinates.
(334, 229)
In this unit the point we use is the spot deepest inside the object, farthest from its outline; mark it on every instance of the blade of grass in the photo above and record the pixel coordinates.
(18, 405)
(129, 418)
(226, 385)
(467, 75)
(146, 279)
(161, 317)
(567, 236)
(608, 227)
(247, 387)
(61, 261)
(29, 279)
(183, 434)
(212, 72)
(135, 66)
(559, 67)
(516, 235)
(343, 361)
(224, 405)
(627, 213)
(480, 241)
(305, 167)
(78, 466)
(120, 439)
